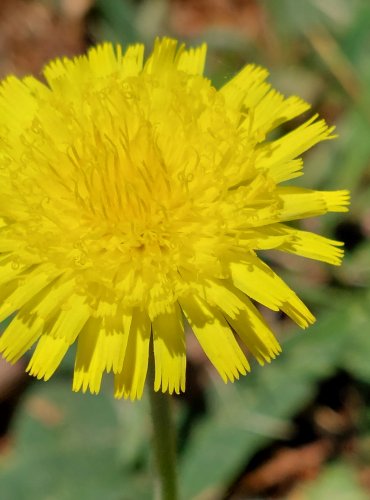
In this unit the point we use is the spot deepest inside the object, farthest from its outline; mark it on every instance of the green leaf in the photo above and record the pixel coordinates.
(337, 481)
(116, 21)
(65, 447)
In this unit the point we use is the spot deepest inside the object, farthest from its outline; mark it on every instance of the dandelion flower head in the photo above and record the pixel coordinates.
(135, 198)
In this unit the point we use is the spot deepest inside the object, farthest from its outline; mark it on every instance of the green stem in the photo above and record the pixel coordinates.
(163, 440)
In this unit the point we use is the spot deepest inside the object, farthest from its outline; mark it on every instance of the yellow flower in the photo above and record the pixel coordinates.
(134, 199)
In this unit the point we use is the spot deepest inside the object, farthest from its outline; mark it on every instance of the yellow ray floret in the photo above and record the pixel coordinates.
(254, 332)
(169, 351)
(130, 381)
(134, 200)
(259, 282)
(208, 325)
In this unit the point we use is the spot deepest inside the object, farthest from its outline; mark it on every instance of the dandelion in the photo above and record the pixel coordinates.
(135, 198)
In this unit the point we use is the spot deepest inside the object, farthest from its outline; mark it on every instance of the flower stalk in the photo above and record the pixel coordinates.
(164, 441)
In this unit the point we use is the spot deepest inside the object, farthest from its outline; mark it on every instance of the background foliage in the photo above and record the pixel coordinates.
(297, 429)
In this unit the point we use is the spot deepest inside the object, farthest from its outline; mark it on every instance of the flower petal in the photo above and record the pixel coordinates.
(215, 337)
(33, 281)
(169, 351)
(274, 155)
(129, 383)
(299, 203)
(192, 61)
(246, 87)
(52, 346)
(254, 331)
(258, 281)
(101, 347)
(243, 317)
(310, 245)
(28, 324)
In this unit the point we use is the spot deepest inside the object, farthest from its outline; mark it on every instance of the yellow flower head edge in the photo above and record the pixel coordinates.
(134, 200)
